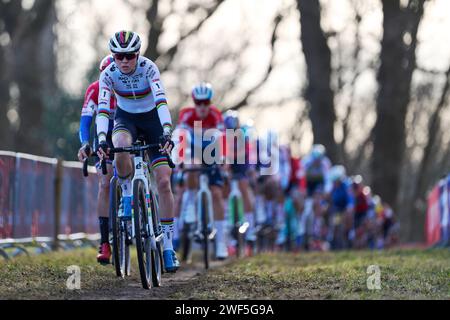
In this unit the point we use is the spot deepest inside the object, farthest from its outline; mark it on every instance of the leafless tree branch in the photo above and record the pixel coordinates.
(166, 58)
(244, 100)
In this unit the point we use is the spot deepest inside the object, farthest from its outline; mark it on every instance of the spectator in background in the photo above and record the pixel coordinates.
(319, 227)
(316, 167)
(390, 227)
(341, 209)
(360, 195)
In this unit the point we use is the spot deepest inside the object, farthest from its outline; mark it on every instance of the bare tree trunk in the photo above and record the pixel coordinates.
(398, 62)
(34, 73)
(9, 16)
(5, 130)
(318, 60)
(155, 31)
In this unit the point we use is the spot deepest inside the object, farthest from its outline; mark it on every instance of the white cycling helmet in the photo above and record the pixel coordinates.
(337, 173)
(318, 151)
(125, 42)
(231, 119)
(202, 92)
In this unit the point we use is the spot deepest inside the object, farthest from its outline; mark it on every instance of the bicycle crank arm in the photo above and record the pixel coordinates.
(159, 238)
(244, 227)
(212, 235)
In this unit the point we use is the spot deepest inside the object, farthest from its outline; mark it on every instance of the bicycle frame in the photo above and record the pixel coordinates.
(236, 192)
(204, 189)
(142, 172)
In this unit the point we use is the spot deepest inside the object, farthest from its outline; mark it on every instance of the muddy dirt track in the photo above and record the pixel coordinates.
(171, 283)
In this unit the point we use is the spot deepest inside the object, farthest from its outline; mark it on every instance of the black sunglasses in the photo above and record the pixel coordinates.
(121, 56)
(202, 102)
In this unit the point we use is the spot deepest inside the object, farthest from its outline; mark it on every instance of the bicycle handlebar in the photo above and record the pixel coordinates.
(202, 169)
(136, 149)
(85, 167)
(85, 163)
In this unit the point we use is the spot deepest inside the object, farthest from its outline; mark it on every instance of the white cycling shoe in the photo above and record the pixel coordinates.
(221, 251)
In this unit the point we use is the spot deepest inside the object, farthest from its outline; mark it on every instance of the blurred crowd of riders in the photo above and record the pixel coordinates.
(297, 204)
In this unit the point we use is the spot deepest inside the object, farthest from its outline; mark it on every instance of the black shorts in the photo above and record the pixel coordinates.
(239, 171)
(215, 177)
(146, 125)
(359, 219)
(312, 186)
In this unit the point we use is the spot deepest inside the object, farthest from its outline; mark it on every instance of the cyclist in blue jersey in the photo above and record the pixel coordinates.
(238, 155)
(89, 109)
(341, 208)
(316, 166)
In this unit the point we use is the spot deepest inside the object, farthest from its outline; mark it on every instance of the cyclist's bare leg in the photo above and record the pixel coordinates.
(124, 165)
(178, 197)
(219, 221)
(103, 192)
(166, 202)
(192, 179)
(218, 205)
(247, 195)
(103, 213)
(248, 200)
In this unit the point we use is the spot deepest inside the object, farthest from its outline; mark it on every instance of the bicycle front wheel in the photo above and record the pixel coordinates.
(142, 232)
(120, 248)
(236, 226)
(205, 231)
(157, 260)
(186, 242)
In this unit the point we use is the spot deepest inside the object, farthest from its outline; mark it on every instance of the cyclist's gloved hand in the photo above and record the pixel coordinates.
(102, 150)
(166, 143)
(84, 152)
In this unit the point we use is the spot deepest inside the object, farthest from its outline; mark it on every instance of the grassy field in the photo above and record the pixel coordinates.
(405, 274)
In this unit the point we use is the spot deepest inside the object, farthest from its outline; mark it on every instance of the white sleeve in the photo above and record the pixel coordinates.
(104, 98)
(159, 96)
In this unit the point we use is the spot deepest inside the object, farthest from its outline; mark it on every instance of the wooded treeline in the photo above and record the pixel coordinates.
(401, 154)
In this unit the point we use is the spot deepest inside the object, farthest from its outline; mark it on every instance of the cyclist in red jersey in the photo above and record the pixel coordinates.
(297, 179)
(209, 117)
(90, 108)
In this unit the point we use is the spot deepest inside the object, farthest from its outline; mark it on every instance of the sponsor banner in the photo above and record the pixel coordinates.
(78, 201)
(44, 200)
(72, 204)
(433, 220)
(7, 178)
(24, 197)
(27, 197)
(33, 197)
